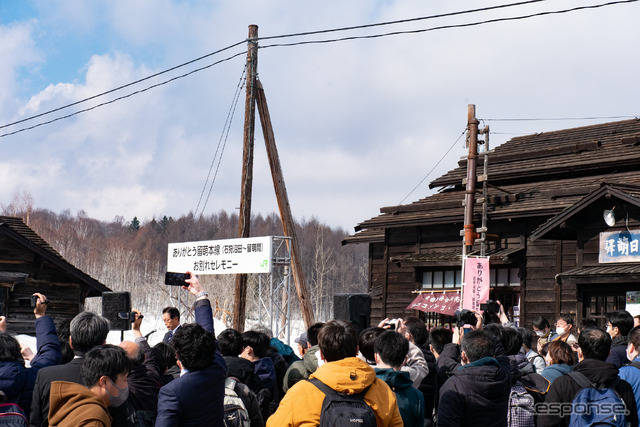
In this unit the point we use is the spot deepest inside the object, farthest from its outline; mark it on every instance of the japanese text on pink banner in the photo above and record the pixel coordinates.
(476, 283)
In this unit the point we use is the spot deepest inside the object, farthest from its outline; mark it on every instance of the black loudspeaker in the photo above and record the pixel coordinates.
(116, 308)
(354, 308)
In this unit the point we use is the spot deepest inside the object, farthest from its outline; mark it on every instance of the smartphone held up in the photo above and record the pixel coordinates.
(176, 279)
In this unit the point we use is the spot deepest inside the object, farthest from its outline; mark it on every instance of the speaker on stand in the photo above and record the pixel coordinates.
(116, 308)
(354, 308)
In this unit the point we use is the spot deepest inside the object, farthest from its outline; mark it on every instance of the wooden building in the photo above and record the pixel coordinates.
(27, 265)
(546, 196)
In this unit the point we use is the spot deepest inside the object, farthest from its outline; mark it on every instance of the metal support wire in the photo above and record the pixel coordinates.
(274, 304)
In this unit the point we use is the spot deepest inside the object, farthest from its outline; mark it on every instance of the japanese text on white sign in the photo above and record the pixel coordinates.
(619, 246)
(230, 256)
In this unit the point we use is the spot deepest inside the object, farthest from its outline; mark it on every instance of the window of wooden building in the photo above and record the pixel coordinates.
(505, 287)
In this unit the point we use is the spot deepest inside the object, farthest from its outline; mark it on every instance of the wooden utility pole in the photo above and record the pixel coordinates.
(244, 223)
(286, 217)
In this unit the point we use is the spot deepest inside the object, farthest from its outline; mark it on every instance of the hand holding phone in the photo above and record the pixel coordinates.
(176, 279)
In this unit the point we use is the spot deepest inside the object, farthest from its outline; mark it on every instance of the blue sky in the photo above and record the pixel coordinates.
(358, 123)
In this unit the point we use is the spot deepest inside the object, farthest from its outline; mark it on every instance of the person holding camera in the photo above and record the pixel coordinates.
(416, 364)
(476, 393)
(197, 397)
(16, 381)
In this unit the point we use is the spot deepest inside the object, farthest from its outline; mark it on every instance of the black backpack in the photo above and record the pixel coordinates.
(344, 410)
(11, 415)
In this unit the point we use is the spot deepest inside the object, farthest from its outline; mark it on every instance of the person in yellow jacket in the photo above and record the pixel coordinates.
(343, 372)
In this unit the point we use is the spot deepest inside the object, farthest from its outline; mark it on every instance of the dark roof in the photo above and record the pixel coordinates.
(569, 152)
(630, 195)
(17, 230)
(605, 270)
(504, 255)
(539, 175)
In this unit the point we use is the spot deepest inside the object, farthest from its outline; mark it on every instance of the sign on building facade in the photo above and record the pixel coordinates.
(619, 246)
(229, 256)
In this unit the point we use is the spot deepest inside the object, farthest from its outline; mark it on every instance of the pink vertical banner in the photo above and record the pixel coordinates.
(476, 283)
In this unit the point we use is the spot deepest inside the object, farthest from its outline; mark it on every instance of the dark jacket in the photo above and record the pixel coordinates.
(250, 402)
(430, 385)
(266, 372)
(618, 354)
(280, 366)
(171, 374)
(144, 385)
(410, 400)
(565, 388)
(476, 394)
(520, 366)
(243, 370)
(196, 398)
(16, 381)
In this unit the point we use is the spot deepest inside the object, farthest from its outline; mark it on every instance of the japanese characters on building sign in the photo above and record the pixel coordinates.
(230, 256)
(619, 246)
(445, 303)
(476, 283)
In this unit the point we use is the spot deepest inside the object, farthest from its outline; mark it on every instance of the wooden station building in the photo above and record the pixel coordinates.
(28, 265)
(552, 251)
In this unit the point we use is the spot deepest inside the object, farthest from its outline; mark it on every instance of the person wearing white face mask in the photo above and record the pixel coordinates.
(631, 372)
(564, 329)
(543, 331)
(104, 370)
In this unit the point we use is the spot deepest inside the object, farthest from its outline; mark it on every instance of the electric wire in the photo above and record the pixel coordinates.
(543, 119)
(400, 21)
(267, 38)
(434, 167)
(123, 96)
(123, 86)
(296, 44)
(227, 127)
(444, 27)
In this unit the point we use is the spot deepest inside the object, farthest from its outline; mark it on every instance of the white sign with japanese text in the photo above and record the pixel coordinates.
(229, 256)
(619, 246)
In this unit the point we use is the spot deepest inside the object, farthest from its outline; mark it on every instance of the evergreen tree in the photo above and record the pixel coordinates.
(135, 224)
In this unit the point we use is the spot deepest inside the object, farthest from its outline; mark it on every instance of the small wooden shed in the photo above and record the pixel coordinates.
(553, 253)
(27, 265)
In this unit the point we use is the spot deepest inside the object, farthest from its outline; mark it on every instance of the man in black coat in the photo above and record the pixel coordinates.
(87, 331)
(144, 380)
(477, 393)
(594, 347)
(171, 319)
(619, 324)
(197, 397)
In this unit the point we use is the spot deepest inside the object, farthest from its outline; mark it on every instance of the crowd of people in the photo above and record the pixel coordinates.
(481, 371)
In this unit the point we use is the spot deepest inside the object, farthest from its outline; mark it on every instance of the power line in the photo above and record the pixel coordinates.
(444, 27)
(434, 167)
(123, 86)
(227, 126)
(263, 38)
(296, 44)
(123, 96)
(400, 21)
(541, 119)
